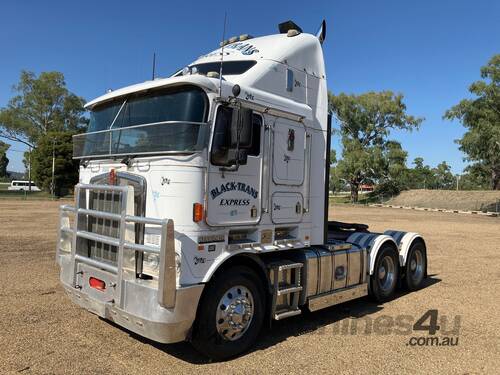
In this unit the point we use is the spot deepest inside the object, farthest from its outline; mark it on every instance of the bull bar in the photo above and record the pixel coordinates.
(126, 220)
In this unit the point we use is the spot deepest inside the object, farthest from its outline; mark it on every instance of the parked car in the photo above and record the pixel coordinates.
(23, 185)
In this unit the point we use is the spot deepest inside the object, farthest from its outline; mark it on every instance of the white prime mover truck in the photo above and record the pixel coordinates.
(201, 211)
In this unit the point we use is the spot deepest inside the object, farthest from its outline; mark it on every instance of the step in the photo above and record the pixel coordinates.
(286, 314)
(288, 266)
(289, 289)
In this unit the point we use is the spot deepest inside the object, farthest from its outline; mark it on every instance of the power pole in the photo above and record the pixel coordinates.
(458, 179)
(52, 187)
(29, 169)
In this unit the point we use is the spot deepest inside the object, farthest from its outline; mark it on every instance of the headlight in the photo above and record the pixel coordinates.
(151, 264)
(65, 242)
(66, 237)
(177, 266)
(150, 261)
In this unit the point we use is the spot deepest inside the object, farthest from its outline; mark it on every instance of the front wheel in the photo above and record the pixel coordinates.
(384, 280)
(230, 315)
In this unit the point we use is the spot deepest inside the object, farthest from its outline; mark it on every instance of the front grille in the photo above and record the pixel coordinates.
(107, 202)
(110, 201)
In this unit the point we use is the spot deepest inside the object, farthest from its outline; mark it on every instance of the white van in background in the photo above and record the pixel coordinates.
(23, 185)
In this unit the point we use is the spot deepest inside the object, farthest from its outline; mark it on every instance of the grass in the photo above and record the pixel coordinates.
(346, 199)
(25, 195)
(7, 194)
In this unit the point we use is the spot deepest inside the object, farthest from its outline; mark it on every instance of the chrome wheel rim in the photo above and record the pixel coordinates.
(386, 274)
(234, 313)
(417, 266)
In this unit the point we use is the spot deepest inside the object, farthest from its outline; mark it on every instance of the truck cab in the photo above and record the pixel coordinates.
(202, 204)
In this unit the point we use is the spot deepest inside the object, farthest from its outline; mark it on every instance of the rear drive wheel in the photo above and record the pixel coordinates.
(416, 266)
(384, 280)
(230, 315)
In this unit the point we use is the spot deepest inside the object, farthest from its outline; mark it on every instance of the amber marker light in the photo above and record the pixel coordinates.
(197, 212)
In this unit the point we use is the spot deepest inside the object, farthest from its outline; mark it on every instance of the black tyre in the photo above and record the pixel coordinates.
(416, 266)
(230, 314)
(385, 276)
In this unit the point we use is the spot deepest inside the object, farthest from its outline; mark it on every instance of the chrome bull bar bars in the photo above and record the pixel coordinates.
(124, 241)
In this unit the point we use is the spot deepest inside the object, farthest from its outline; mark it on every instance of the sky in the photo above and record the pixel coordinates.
(430, 51)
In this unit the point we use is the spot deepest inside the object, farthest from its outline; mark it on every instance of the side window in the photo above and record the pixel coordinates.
(254, 149)
(222, 138)
(222, 135)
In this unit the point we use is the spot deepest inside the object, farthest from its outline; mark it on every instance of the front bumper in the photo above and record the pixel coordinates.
(141, 312)
(156, 309)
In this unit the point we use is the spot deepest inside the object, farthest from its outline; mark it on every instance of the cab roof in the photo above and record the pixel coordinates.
(302, 51)
(197, 80)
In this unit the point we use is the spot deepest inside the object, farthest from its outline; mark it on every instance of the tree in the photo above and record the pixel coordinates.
(365, 124)
(395, 174)
(421, 176)
(4, 161)
(42, 104)
(444, 179)
(395, 157)
(66, 169)
(475, 177)
(335, 183)
(481, 118)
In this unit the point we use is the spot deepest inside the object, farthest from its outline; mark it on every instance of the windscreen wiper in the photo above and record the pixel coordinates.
(127, 159)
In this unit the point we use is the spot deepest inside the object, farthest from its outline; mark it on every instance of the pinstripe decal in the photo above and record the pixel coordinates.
(396, 235)
(362, 239)
(399, 237)
(368, 239)
(356, 236)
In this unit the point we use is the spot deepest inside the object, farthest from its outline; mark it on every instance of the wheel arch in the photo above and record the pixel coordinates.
(376, 245)
(405, 243)
(373, 242)
(242, 258)
(417, 238)
(249, 260)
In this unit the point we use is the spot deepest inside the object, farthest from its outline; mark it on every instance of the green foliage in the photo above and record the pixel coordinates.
(42, 104)
(4, 161)
(476, 177)
(481, 117)
(66, 169)
(421, 176)
(337, 183)
(365, 124)
(444, 179)
(395, 174)
(424, 177)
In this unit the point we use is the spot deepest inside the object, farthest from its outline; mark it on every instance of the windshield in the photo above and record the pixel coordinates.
(152, 123)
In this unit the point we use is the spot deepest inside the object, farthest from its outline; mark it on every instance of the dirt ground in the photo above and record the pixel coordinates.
(480, 200)
(41, 332)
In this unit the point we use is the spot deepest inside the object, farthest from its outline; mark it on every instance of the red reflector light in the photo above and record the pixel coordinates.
(112, 177)
(97, 284)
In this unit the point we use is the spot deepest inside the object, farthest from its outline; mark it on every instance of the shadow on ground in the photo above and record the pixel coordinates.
(306, 323)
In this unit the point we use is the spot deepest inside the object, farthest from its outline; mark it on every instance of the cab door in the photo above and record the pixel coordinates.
(234, 191)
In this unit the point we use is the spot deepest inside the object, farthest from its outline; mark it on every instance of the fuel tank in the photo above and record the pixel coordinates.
(330, 268)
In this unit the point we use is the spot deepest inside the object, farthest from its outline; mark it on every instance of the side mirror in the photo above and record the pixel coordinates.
(232, 137)
(241, 128)
(237, 157)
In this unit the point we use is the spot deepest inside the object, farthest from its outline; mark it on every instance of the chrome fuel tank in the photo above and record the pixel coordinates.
(330, 268)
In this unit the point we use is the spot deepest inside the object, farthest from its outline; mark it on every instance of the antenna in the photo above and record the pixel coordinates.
(154, 65)
(222, 55)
